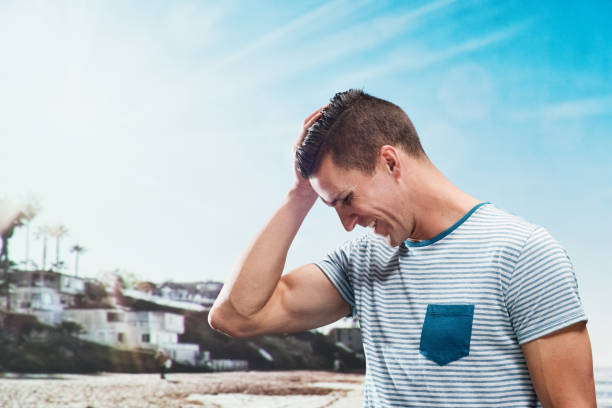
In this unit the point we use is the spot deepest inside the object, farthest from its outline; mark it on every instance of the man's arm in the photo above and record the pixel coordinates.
(256, 299)
(561, 368)
(303, 299)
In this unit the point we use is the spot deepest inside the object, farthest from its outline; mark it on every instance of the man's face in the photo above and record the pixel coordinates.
(368, 200)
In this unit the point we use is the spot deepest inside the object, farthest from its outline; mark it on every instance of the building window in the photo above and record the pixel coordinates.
(146, 338)
(114, 317)
(120, 337)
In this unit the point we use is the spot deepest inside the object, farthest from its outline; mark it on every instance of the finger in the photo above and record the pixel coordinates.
(309, 117)
(318, 111)
(312, 120)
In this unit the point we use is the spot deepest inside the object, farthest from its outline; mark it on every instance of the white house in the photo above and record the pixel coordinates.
(163, 301)
(135, 329)
(51, 297)
(44, 294)
(203, 293)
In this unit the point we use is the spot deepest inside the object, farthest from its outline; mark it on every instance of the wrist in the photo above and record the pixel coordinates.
(303, 196)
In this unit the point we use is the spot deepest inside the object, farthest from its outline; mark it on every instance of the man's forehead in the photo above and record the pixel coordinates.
(332, 182)
(328, 192)
(326, 187)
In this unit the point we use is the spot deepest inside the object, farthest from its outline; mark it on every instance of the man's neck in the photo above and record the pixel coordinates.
(438, 205)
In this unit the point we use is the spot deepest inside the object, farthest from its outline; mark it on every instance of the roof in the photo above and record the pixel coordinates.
(158, 300)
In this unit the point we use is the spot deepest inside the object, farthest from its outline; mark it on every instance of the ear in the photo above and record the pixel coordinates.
(390, 159)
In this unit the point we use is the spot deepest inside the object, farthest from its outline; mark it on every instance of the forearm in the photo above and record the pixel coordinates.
(258, 272)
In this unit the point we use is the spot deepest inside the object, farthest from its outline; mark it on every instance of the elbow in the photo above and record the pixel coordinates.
(218, 322)
(213, 319)
(229, 322)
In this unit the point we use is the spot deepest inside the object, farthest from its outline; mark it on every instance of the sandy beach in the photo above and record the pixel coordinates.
(296, 389)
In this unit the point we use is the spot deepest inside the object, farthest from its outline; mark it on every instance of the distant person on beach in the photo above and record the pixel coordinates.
(163, 361)
(460, 303)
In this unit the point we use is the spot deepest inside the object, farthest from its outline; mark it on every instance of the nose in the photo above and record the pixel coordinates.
(347, 218)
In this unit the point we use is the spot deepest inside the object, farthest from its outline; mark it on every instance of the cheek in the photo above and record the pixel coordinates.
(380, 202)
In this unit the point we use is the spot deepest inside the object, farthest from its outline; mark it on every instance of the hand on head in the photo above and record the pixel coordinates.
(302, 185)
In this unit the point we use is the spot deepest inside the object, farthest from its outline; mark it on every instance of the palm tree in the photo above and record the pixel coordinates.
(57, 232)
(78, 250)
(43, 232)
(30, 210)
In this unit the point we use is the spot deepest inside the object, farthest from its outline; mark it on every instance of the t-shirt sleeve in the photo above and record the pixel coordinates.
(335, 265)
(542, 296)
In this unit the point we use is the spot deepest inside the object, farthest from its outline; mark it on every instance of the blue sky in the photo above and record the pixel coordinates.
(160, 133)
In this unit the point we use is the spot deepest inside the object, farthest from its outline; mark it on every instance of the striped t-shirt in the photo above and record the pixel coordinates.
(442, 320)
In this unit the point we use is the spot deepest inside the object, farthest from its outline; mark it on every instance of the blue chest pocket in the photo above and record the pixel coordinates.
(446, 332)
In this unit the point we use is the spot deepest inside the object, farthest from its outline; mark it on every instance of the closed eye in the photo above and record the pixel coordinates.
(347, 199)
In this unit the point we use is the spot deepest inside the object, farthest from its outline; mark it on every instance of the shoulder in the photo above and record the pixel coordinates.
(495, 217)
(532, 237)
(540, 247)
(516, 240)
(503, 226)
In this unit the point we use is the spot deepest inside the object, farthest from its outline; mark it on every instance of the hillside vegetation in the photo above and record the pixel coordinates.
(306, 350)
(26, 345)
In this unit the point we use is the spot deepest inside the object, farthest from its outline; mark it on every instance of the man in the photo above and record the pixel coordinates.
(460, 304)
(163, 361)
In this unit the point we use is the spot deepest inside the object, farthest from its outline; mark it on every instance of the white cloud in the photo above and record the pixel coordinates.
(564, 125)
(578, 108)
(412, 59)
(571, 109)
(323, 39)
(336, 8)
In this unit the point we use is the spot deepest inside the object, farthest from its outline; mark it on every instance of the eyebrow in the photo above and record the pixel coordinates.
(334, 201)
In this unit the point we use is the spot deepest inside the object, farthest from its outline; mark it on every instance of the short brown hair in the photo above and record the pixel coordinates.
(352, 128)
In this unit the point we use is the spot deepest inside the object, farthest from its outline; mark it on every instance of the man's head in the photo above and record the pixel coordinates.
(357, 157)
(353, 128)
